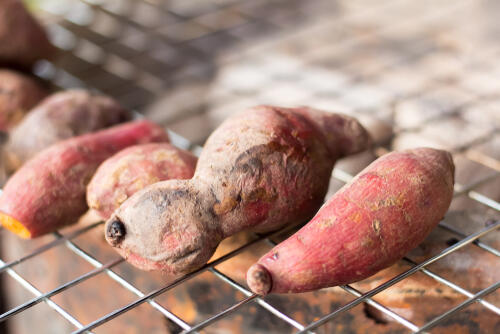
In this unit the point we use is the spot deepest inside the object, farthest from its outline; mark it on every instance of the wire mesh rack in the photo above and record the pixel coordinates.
(414, 73)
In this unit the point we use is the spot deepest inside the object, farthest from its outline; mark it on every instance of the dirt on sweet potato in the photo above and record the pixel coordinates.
(49, 190)
(134, 168)
(263, 168)
(369, 224)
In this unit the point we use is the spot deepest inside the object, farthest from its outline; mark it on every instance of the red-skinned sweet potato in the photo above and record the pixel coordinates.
(61, 116)
(134, 168)
(22, 40)
(18, 94)
(261, 169)
(49, 190)
(369, 224)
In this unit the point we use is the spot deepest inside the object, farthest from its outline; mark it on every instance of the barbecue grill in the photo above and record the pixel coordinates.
(415, 73)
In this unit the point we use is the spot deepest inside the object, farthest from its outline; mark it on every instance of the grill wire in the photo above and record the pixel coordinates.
(133, 75)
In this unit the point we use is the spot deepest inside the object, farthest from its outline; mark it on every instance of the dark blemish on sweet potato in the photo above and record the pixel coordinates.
(175, 195)
(277, 147)
(228, 204)
(255, 195)
(178, 193)
(249, 162)
(115, 232)
(259, 194)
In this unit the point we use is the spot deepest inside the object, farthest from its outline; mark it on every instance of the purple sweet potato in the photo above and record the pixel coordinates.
(134, 168)
(18, 94)
(260, 170)
(61, 116)
(369, 224)
(49, 190)
(22, 40)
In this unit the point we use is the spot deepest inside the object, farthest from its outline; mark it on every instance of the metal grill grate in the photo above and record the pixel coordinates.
(416, 68)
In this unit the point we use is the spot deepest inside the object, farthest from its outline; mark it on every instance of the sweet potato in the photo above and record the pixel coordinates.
(22, 40)
(134, 168)
(261, 169)
(18, 94)
(61, 116)
(49, 191)
(369, 224)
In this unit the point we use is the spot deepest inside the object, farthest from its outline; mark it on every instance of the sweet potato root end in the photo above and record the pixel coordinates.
(259, 279)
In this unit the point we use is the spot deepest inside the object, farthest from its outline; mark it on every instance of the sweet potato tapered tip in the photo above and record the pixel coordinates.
(259, 279)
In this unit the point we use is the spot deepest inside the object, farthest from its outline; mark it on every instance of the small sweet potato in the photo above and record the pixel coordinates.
(134, 168)
(18, 94)
(61, 116)
(49, 190)
(369, 224)
(22, 40)
(260, 170)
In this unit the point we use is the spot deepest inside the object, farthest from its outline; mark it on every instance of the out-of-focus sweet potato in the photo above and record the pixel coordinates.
(134, 168)
(61, 116)
(369, 224)
(23, 40)
(18, 94)
(262, 169)
(49, 191)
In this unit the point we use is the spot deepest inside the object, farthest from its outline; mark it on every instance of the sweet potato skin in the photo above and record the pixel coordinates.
(134, 168)
(272, 165)
(49, 191)
(369, 224)
(261, 169)
(61, 116)
(22, 40)
(18, 94)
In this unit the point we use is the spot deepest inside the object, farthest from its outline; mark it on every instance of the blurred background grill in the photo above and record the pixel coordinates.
(415, 73)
